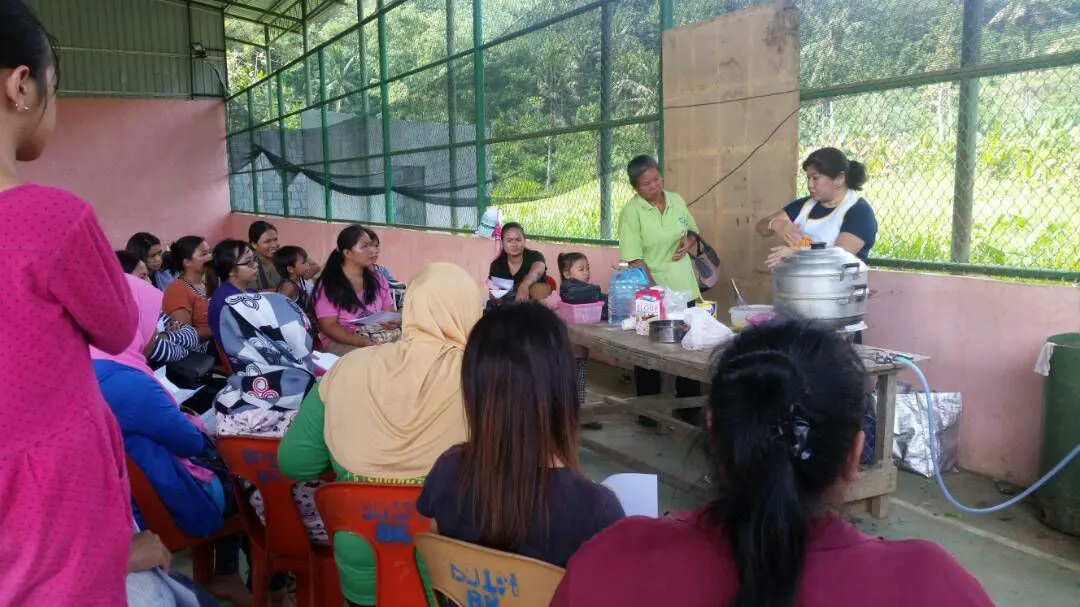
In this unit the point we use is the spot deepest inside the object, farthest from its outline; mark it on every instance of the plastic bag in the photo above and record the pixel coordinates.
(490, 224)
(705, 331)
(911, 441)
(675, 303)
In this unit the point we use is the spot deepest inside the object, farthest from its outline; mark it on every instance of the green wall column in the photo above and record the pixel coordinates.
(481, 109)
(384, 96)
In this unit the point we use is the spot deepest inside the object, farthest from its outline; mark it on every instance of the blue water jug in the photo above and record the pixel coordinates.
(625, 283)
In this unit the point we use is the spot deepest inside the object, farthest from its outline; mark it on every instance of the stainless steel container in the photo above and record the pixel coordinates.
(823, 283)
(667, 331)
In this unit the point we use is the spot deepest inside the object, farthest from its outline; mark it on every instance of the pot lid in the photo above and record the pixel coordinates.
(819, 259)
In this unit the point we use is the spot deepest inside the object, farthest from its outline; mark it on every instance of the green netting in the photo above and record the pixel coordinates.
(386, 102)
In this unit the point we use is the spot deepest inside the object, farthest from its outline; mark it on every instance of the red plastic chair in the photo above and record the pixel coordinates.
(160, 521)
(224, 359)
(282, 543)
(385, 516)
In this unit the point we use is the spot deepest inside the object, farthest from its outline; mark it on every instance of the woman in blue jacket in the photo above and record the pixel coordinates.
(161, 439)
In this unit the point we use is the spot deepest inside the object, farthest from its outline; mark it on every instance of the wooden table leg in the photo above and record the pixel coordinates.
(885, 416)
(879, 506)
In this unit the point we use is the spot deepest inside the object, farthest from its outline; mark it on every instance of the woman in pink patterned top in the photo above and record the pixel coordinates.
(65, 510)
(349, 289)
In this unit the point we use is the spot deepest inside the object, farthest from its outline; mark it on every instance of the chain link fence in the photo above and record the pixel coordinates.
(425, 112)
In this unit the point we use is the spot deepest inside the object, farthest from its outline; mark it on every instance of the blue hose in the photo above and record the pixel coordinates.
(934, 456)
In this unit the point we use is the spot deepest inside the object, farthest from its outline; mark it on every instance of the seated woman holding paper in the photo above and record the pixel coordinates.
(518, 273)
(784, 425)
(515, 483)
(384, 415)
(350, 289)
(162, 440)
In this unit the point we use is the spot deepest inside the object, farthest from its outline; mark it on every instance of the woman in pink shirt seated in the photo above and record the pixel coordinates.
(350, 289)
(784, 428)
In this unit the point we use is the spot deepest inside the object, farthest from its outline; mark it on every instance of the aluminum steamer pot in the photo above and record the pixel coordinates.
(827, 284)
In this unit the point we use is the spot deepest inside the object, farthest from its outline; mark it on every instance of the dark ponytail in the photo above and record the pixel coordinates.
(855, 176)
(831, 162)
(786, 407)
(333, 281)
(182, 250)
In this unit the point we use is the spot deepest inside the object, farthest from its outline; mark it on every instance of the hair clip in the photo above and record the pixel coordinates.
(794, 429)
(800, 436)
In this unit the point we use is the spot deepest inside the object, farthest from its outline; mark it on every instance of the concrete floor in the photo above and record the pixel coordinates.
(1019, 561)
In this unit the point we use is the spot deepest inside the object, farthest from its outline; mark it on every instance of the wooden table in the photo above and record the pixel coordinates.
(869, 493)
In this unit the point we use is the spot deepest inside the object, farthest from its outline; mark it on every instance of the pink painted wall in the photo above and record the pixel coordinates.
(144, 164)
(983, 335)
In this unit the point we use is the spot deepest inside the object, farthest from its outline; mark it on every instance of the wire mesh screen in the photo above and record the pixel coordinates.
(426, 112)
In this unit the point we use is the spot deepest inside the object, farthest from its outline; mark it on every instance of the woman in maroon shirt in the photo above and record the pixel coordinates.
(784, 424)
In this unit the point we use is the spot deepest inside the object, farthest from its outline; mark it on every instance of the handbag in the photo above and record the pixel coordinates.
(192, 371)
(706, 264)
(378, 335)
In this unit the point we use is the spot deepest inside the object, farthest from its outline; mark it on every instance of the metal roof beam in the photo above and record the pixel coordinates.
(261, 11)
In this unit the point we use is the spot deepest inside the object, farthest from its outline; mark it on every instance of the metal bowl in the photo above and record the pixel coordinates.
(667, 331)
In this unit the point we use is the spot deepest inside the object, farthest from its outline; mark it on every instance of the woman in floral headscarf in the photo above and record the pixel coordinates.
(267, 340)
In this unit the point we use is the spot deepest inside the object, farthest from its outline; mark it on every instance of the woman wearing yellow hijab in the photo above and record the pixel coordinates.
(385, 414)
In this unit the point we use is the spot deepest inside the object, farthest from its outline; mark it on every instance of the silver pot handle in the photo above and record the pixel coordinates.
(852, 265)
(859, 293)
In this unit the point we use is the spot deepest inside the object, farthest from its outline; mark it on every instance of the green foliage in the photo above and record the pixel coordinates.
(1026, 189)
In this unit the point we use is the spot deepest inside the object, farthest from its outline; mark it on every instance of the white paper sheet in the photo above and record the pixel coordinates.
(179, 394)
(501, 284)
(639, 494)
(324, 360)
(378, 318)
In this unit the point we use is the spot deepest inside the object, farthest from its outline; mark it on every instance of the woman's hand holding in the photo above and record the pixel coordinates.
(390, 325)
(361, 340)
(777, 255)
(790, 232)
(147, 552)
(522, 293)
(688, 243)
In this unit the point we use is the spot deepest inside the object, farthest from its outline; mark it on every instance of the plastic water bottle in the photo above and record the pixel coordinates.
(625, 283)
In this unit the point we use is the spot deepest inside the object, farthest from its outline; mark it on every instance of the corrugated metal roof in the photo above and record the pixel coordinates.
(280, 14)
(136, 48)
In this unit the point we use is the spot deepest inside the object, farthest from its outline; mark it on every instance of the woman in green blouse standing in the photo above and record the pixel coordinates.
(657, 233)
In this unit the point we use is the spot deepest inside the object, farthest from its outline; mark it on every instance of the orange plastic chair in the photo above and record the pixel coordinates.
(282, 543)
(385, 516)
(161, 522)
(468, 574)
